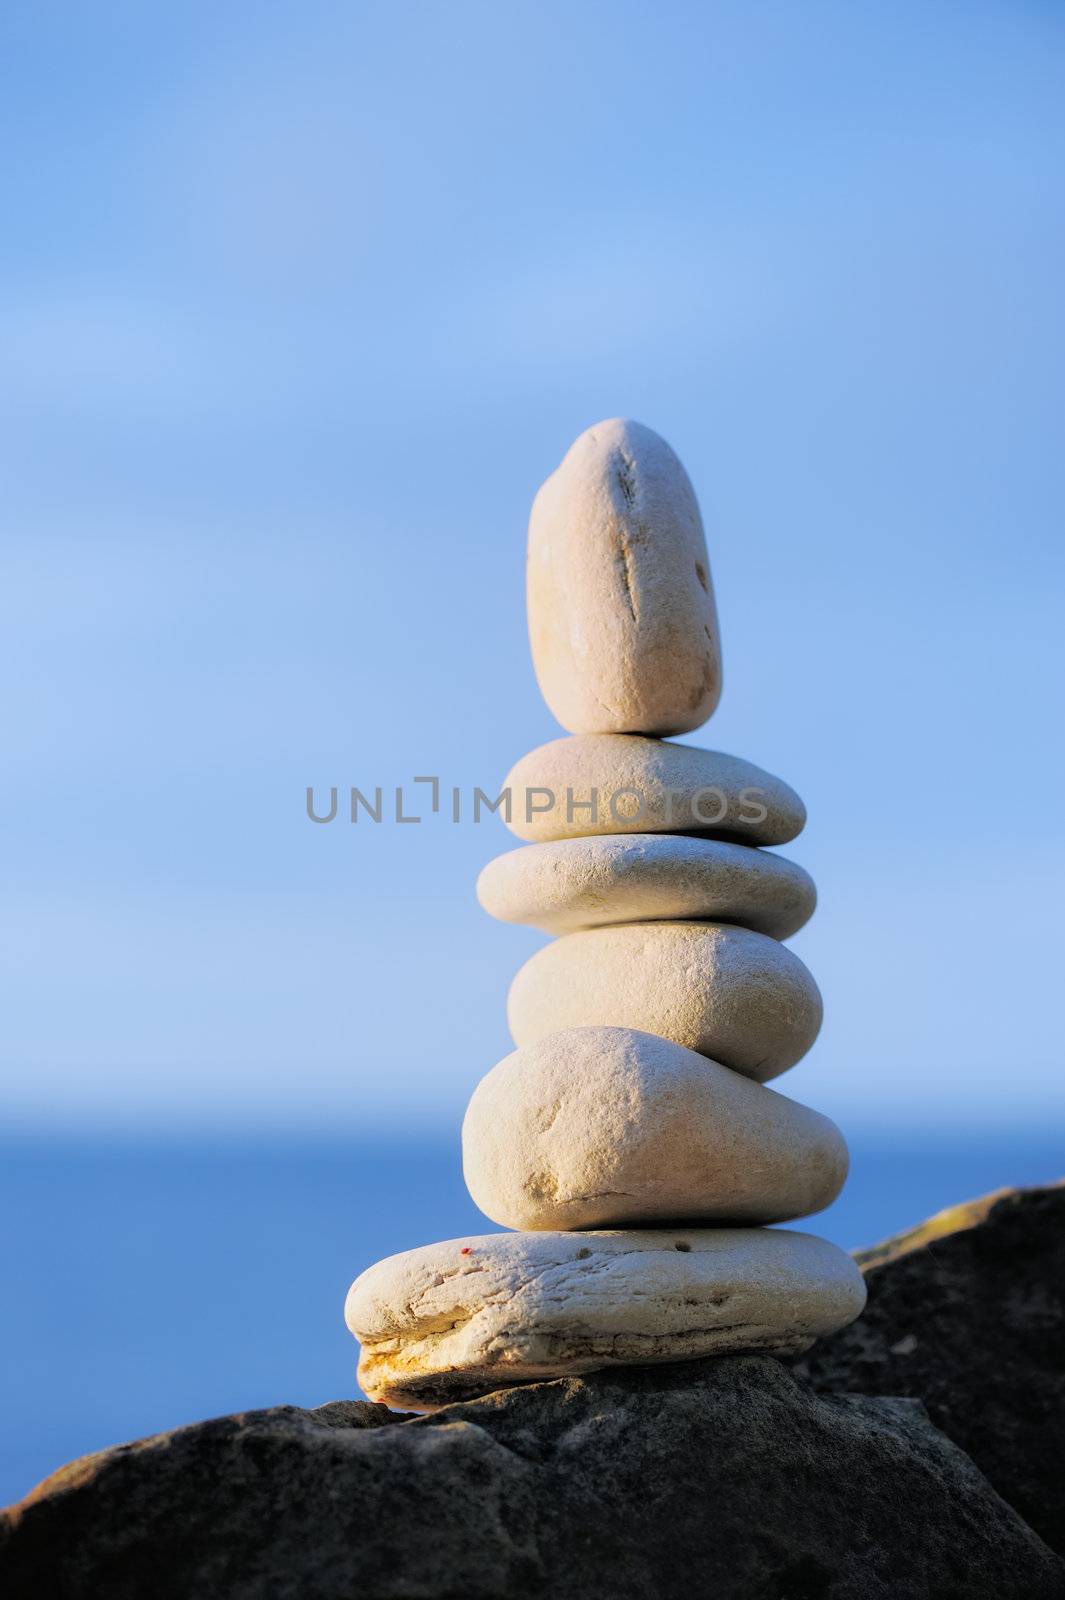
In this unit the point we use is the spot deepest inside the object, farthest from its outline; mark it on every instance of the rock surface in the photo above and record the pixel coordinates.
(726, 1479)
(622, 620)
(610, 1128)
(456, 1319)
(730, 994)
(620, 783)
(572, 884)
(967, 1313)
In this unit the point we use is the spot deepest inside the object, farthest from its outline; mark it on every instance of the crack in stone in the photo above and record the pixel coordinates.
(624, 561)
(625, 475)
(625, 471)
(499, 1366)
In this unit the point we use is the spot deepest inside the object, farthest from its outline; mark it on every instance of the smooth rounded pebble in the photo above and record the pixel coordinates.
(601, 783)
(730, 994)
(462, 1318)
(610, 1128)
(646, 877)
(622, 621)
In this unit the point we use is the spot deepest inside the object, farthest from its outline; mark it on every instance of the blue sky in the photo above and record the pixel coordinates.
(298, 306)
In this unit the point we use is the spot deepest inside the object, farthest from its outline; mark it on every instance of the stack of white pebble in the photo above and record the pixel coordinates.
(629, 1136)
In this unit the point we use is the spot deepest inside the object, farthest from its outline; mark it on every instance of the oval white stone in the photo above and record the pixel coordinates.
(646, 877)
(730, 994)
(622, 621)
(461, 1318)
(602, 783)
(609, 1128)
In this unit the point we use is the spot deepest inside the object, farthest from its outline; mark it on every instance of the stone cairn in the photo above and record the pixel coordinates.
(629, 1137)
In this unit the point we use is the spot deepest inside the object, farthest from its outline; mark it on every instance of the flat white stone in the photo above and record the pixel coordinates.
(571, 884)
(736, 996)
(622, 621)
(467, 1316)
(601, 783)
(610, 1128)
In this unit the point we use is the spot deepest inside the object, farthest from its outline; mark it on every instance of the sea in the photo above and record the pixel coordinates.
(150, 1283)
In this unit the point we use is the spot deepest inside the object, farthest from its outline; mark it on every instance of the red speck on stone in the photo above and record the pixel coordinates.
(465, 1251)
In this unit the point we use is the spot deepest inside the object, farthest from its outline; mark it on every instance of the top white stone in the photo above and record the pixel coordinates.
(622, 620)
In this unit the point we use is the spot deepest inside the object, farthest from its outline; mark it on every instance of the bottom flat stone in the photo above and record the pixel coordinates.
(458, 1319)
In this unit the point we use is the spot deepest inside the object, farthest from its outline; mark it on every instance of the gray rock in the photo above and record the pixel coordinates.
(967, 1312)
(728, 1479)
